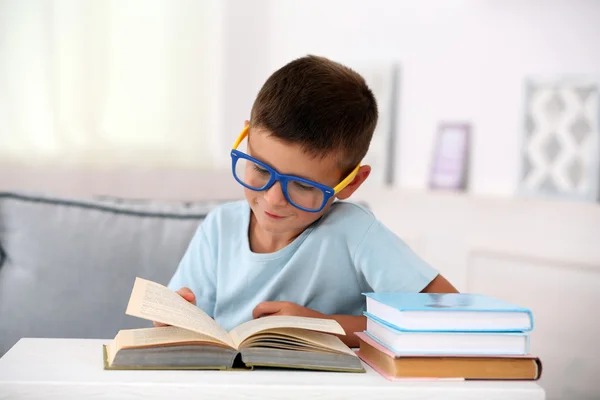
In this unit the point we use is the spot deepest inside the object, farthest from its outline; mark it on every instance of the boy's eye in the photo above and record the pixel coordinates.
(260, 170)
(304, 187)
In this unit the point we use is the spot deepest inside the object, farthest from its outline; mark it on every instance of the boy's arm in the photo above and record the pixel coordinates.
(350, 323)
(439, 284)
(355, 323)
(388, 264)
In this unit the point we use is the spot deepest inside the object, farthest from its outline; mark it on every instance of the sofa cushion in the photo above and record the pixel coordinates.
(67, 266)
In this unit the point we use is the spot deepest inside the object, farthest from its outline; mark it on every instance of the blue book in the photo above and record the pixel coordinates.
(447, 312)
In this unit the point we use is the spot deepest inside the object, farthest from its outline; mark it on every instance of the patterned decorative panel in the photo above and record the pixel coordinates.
(561, 146)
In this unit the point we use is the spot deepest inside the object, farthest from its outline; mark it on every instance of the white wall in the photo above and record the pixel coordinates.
(461, 60)
(244, 60)
(540, 254)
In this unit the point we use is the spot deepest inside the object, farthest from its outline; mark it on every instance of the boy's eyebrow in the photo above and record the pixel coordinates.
(249, 149)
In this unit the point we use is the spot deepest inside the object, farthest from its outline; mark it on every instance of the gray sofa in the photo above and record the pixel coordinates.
(67, 266)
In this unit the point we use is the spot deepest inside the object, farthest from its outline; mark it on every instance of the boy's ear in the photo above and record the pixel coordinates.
(361, 176)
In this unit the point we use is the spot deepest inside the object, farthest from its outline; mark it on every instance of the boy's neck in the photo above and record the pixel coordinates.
(266, 242)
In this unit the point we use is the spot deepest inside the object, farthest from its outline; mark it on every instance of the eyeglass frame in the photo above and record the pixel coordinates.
(328, 192)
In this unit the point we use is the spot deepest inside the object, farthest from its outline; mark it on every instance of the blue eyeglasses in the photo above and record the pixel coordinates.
(301, 193)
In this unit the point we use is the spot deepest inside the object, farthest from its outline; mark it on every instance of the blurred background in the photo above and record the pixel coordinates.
(486, 157)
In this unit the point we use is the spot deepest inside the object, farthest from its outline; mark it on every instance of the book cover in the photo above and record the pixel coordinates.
(395, 366)
(448, 312)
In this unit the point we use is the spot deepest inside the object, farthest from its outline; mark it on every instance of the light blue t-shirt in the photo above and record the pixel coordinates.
(344, 253)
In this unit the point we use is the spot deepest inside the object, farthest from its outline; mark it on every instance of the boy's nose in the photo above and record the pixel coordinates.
(274, 195)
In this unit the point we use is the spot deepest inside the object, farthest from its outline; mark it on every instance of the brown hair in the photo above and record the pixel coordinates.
(321, 105)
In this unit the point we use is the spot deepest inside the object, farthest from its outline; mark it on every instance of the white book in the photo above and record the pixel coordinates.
(450, 343)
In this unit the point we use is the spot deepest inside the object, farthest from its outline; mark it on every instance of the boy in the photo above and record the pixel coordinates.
(289, 249)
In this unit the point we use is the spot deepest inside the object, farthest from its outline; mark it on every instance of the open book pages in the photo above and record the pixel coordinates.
(242, 332)
(193, 340)
(296, 339)
(279, 338)
(147, 337)
(155, 302)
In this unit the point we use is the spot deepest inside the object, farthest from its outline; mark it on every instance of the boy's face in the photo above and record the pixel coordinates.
(272, 211)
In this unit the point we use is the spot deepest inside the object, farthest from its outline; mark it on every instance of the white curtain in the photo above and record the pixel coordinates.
(109, 82)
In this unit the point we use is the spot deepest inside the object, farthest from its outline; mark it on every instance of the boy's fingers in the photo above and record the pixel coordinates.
(266, 308)
(190, 298)
(158, 324)
(184, 290)
(187, 294)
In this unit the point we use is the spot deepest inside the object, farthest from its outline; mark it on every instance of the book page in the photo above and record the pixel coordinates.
(247, 329)
(302, 338)
(155, 302)
(157, 336)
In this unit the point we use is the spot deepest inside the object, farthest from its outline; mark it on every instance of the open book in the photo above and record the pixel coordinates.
(195, 341)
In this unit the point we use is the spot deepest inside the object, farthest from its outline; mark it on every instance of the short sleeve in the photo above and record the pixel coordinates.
(387, 264)
(197, 271)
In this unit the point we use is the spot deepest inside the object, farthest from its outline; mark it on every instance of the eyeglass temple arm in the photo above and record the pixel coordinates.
(346, 181)
(242, 136)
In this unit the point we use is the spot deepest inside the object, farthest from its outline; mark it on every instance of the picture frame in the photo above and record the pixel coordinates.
(451, 157)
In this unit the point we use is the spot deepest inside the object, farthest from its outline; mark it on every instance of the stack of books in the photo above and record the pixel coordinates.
(447, 336)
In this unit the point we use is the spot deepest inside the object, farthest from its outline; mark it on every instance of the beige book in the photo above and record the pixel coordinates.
(193, 340)
(488, 367)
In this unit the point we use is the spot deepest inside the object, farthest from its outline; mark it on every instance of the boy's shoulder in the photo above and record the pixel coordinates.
(348, 214)
(351, 208)
(345, 222)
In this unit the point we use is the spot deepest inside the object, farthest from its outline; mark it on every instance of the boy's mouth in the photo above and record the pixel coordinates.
(273, 216)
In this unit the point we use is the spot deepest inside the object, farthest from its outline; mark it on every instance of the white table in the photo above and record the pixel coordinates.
(72, 368)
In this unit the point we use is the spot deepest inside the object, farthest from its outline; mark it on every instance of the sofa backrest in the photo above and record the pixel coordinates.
(67, 266)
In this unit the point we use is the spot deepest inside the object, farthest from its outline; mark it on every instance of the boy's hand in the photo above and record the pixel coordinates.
(268, 308)
(350, 323)
(187, 294)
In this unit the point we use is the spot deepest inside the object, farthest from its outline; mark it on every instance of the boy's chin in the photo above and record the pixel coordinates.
(273, 224)
(290, 224)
